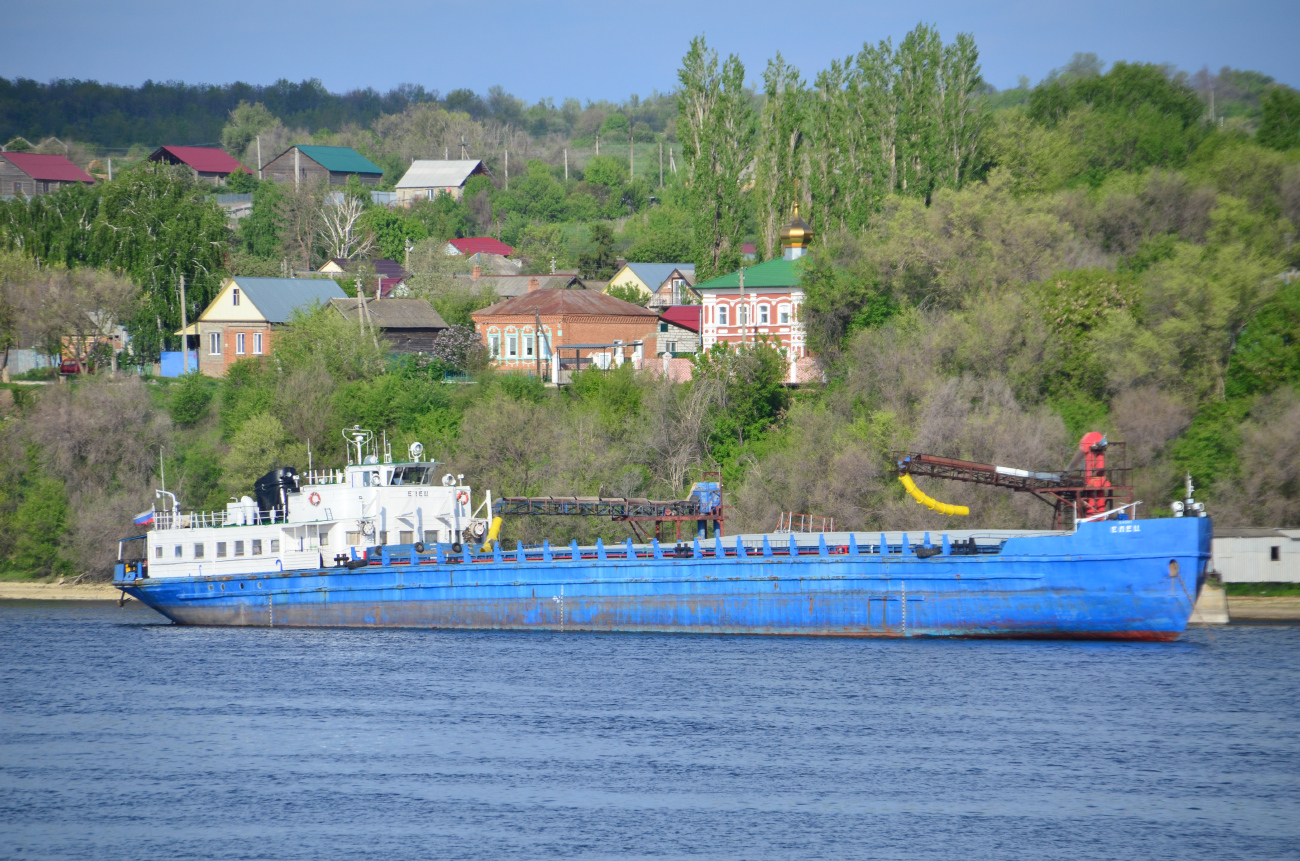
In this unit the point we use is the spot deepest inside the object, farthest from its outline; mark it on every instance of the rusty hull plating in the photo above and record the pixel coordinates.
(1128, 580)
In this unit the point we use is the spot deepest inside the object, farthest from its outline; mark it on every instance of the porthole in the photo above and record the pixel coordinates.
(241, 585)
(210, 587)
(1173, 567)
(259, 585)
(223, 587)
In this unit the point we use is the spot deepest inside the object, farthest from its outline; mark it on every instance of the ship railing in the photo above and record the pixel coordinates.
(214, 519)
(319, 477)
(406, 554)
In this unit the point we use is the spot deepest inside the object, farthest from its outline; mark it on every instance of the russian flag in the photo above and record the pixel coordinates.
(144, 518)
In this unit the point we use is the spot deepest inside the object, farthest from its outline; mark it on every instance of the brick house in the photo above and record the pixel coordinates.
(582, 326)
(241, 321)
(313, 163)
(763, 301)
(33, 173)
(209, 164)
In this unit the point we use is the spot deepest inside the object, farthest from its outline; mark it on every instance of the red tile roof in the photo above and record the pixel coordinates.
(475, 244)
(564, 303)
(686, 316)
(47, 167)
(202, 158)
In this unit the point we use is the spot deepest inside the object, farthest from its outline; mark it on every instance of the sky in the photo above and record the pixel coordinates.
(608, 50)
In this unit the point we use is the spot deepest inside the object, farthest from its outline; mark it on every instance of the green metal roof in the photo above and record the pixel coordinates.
(339, 159)
(770, 273)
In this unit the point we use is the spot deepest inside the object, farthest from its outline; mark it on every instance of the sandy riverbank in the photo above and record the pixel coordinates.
(11, 590)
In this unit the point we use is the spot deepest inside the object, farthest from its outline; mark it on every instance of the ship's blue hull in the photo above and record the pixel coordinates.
(1129, 580)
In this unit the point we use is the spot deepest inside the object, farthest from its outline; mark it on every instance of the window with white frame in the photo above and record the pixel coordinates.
(214, 343)
(764, 314)
(529, 338)
(742, 314)
(257, 343)
(783, 315)
(494, 346)
(722, 315)
(512, 346)
(234, 296)
(239, 343)
(545, 346)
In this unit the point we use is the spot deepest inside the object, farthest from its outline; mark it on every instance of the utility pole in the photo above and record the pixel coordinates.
(661, 164)
(597, 144)
(185, 337)
(446, 153)
(110, 168)
(297, 171)
(537, 343)
(566, 164)
(259, 157)
(631, 154)
(672, 164)
(361, 307)
(507, 170)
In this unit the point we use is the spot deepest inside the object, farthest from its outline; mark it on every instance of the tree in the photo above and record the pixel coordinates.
(339, 224)
(298, 214)
(77, 310)
(716, 126)
(779, 151)
(246, 123)
(629, 293)
(615, 128)
(1280, 126)
(156, 225)
(598, 263)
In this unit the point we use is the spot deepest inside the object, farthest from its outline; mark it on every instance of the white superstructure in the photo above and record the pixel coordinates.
(330, 516)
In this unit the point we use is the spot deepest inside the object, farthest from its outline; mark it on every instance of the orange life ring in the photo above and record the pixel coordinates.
(462, 497)
(314, 499)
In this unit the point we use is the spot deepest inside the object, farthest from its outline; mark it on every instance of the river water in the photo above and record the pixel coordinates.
(124, 737)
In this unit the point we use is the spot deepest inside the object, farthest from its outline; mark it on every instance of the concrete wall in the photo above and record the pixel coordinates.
(1250, 560)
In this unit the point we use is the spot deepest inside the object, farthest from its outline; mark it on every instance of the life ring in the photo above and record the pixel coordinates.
(314, 499)
(463, 497)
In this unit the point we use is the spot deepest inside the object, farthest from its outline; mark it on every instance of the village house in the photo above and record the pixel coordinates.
(679, 329)
(665, 283)
(764, 301)
(241, 321)
(425, 179)
(312, 164)
(408, 325)
(581, 326)
(32, 174)
(509, 286)
(208, 163)
(469, 245)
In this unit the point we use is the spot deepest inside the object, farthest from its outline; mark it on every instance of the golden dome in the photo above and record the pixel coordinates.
(796, 234)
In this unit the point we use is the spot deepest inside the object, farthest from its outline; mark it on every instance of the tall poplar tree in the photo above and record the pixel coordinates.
(780, 154)
(716, 125)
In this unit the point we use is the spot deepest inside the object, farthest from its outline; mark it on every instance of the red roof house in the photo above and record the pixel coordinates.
(479, 244)
(206, 162)
(686, 316)
(32, 173)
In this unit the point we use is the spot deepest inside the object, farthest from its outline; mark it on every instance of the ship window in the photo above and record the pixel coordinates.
(198, 551)
(178, 552)
(157, 553)
(430, 536)
(325, 538)
(1275, 554)
(383, 537)
(275, 545)
(353, 538)
(411, 475)
(221, 549)
(257, 547)
(406, 537)
(239, 548)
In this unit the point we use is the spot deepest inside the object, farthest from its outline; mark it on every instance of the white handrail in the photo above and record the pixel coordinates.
(1103, 515)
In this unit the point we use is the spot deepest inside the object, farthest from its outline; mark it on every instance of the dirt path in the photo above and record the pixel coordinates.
(1242, 608)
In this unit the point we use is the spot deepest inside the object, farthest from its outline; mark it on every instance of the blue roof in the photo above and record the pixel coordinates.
(278, 298)
(654, 274)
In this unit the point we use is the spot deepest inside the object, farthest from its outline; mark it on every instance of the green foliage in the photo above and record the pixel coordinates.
(258, 232)
(321, 337)
(843, 298)
(1280, 127)
(1208, 449)
(1267, 353)
(752, 395)
(246, 123)
(628, 293)
(522, 387)
(598, 263)
(606, 170)
(615, 128)
(444, 217)
(38, 526)
(189, 399)
(259, 446)
(613, 394)
(392, 229)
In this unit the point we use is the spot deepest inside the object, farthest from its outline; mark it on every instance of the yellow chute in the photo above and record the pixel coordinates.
(929, 502)
(493, 531)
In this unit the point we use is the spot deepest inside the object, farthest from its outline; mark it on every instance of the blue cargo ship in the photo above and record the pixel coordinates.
(405, 554)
